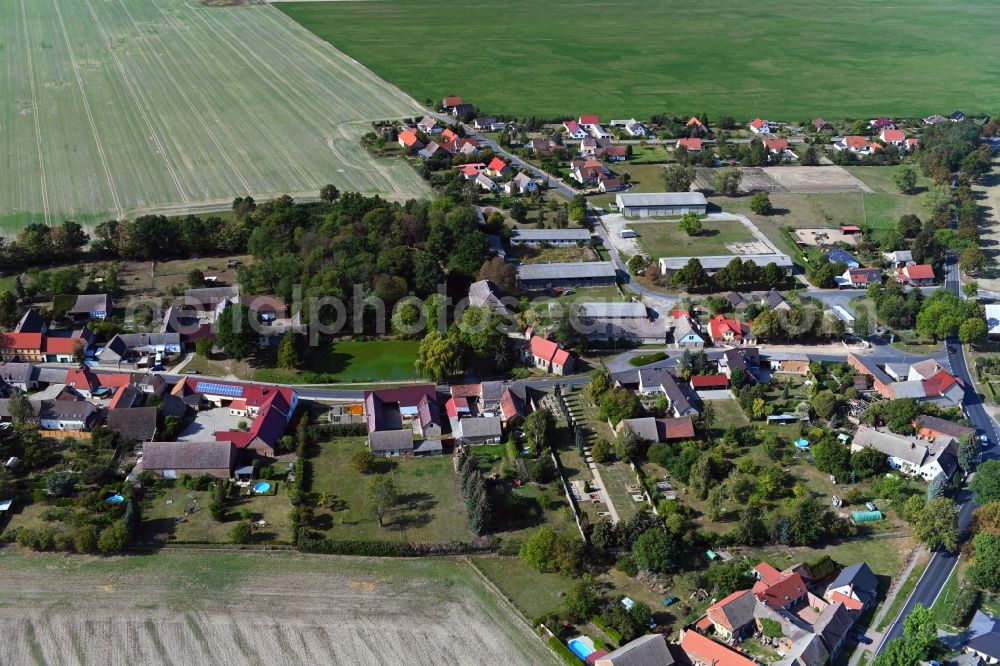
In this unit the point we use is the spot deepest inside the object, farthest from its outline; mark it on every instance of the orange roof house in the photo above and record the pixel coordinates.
(691, 145)
(703, 651)
(917, 274)
(776, 145)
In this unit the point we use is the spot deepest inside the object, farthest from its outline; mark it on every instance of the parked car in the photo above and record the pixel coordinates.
(670, 600)
(871, 506)
(861, 638)
(194, 371)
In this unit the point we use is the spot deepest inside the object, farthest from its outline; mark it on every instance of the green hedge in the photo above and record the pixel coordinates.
(611, 632)
(563, 651)
(645, 359)
(375, 548)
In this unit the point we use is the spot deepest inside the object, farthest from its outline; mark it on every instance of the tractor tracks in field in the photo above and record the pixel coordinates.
(90, 115)
(187, 100)
(139, 105)
(34, 113)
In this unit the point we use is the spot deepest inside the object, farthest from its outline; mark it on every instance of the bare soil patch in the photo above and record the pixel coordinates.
(799, 179)
(253, 608)
(823, 237)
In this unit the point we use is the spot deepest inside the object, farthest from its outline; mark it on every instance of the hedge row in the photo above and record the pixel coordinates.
(560, 649)
(327, 430)
(374, 548)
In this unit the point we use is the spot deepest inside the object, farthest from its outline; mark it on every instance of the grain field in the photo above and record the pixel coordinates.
(111, 108)
(245, 609)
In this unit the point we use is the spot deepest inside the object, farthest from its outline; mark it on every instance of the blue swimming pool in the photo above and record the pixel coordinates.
(115, 499)
(580, 648)
(261, 487)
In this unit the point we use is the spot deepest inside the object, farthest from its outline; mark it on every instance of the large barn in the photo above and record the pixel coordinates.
(661, 204)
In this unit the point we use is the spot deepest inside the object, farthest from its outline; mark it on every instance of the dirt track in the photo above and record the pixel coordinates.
(244, 609)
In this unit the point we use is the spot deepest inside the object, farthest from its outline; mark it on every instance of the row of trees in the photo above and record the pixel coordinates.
(737, 274)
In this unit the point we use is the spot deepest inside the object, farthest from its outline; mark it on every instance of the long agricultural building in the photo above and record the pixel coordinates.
(661, 204)
(712, 265)
(549, 236)
(557, 275)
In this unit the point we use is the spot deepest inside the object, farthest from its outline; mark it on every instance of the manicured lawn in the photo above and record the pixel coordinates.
(727, 413)
(351, 361)
(168, 520)
(667, 240)
(879, 178)
(649, 57)
(534, 593)
(429, 507)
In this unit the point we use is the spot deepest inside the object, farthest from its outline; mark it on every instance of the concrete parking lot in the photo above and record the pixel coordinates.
(208, 422)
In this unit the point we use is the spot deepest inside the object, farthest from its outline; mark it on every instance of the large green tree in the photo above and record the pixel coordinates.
(986, 482)
(235, 333)
(437, 357)
(938, 524)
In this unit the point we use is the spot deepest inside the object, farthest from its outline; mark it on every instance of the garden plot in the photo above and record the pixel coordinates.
(119, 108)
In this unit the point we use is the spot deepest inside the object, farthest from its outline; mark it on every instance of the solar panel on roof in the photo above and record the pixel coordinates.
(219, 389)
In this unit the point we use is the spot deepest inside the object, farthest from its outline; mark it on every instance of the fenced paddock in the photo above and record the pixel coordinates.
(120, 107)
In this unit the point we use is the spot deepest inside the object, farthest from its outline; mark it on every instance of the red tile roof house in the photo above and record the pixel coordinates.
(692, 145)
(856, 144)
(758, 126)
(574, 130)
(893, 136)
(703, 651)
(450, 102)
(549, 356)
(917, 274)
(912, 144)
(781, 592)
(776, 146)
(497, 167)
(589, 121)
(408, 139)
(728, 331)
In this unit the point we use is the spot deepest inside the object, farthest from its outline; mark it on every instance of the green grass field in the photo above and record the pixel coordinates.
(117, 108)
(791, 60)
(429, 507)
(667, 240)
(350, 361)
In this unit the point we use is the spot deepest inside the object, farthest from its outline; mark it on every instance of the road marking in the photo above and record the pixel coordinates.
(938, 596)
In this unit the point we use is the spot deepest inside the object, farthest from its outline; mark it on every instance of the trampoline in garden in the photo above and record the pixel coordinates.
(261, 487)
(115, 499)
(801, 443)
